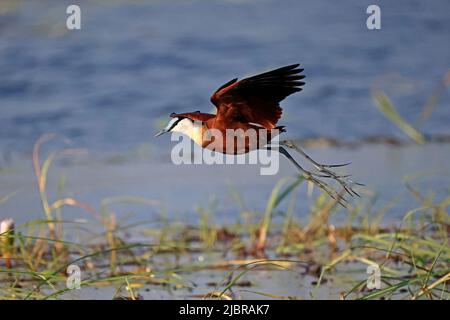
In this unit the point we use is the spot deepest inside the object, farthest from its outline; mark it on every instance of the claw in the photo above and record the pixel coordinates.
(332, 193)
(342, 204)
(335, 165)
(320, 175)
(339, 178)
(323, 173)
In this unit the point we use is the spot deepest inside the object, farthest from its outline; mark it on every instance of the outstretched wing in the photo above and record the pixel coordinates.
(256, 99)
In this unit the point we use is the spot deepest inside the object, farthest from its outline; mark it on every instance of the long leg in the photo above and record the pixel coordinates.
(318, 166)
(309, 176)
(323, 168)
(287, 155)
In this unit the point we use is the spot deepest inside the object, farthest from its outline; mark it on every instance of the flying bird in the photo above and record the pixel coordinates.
(253, 104)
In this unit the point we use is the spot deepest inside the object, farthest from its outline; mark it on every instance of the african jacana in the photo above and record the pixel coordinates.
(253, 104)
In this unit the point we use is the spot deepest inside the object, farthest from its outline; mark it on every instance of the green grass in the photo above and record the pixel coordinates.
(387, 108)
(171, 258)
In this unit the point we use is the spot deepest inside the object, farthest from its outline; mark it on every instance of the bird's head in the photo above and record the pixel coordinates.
(177, 124)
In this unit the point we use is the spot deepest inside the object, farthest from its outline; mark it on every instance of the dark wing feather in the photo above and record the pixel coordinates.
(256, 99)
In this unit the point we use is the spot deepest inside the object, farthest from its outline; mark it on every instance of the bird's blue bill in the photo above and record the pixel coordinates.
(160, 132)
(172, 123)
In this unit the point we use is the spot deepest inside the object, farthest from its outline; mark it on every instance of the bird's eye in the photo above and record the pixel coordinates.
(173, 123)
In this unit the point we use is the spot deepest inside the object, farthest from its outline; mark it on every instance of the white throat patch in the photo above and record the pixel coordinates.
(193, 129)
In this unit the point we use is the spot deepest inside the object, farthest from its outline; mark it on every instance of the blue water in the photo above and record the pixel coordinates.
(106, 86)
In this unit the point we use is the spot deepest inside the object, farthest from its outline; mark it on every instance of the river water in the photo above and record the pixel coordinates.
(109, 86)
